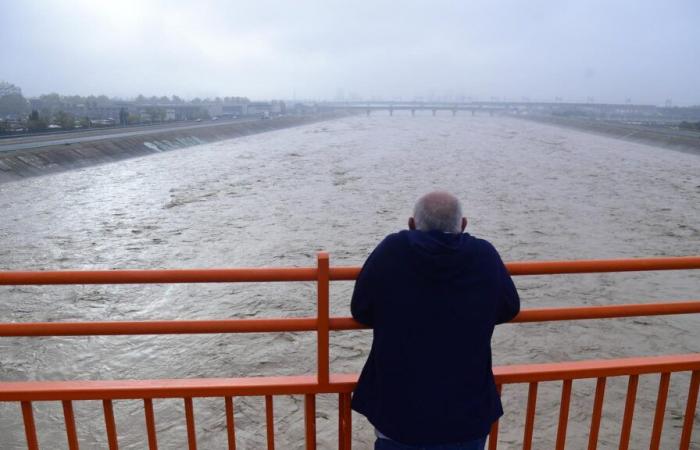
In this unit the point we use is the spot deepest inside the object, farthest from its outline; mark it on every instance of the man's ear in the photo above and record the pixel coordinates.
(464, 223)
(411, 223)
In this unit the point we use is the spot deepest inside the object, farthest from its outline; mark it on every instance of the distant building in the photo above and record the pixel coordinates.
(260, 108)
(215, 110)
(234, 109)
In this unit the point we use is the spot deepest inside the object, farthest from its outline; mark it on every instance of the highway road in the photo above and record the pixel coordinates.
(45, 140)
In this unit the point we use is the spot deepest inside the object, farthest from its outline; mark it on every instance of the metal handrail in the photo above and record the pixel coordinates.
(323, 381)
(275, 274)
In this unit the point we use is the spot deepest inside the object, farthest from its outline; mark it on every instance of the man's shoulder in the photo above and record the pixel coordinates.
(393, 241)
(401, 241)
(484, 244)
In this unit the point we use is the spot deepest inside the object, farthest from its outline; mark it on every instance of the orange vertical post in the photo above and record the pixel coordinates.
(530, 415)
(270, 422)
(629, 412)
(597, 413)
(310, 421)
(660, 410)
(230, 424)
(110, 425)
(29, 426)
(563, 414)
(348, 422)
(690, 411)
(150, 424)
(189, 418)
(69, 418)
(344, 422)
(341, 408)
(323, 319)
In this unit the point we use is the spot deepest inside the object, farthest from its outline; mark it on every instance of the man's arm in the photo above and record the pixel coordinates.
(509, 305)
(363, 297)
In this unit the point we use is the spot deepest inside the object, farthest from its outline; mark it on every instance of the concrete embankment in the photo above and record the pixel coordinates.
(18, 164)
(681, 140)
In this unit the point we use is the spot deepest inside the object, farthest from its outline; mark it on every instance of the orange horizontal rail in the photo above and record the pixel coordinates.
(273, 274)
(165, 388)
(158, 327)
(603, 265)
(311, 324)
(525, 373)
(576, 266)
(339, 383)
(607, 311)
(159, 276)
(574, 313)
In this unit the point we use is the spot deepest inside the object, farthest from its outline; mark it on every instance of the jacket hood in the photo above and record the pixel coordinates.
(441, 255)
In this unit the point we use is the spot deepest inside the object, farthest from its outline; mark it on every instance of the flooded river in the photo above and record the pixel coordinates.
(535, 191)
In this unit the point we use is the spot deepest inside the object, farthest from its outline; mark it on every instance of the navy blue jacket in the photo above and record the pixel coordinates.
(432, 299)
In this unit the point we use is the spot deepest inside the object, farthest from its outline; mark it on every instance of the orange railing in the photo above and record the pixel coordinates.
(323, 381)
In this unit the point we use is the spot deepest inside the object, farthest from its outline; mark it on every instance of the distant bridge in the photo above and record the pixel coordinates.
(490, 107)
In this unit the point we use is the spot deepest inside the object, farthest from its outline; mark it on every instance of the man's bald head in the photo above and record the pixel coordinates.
(438, 211)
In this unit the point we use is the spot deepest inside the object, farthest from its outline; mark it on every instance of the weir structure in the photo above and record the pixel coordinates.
(325, 382)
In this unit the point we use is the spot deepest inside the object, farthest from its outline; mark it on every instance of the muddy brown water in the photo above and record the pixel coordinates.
(274, 199)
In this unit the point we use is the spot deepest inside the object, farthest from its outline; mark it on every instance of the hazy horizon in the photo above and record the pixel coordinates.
(637, 51)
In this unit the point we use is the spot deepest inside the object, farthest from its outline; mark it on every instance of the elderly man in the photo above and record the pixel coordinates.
(432, 295)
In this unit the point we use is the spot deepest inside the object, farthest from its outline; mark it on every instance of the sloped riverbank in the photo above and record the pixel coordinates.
(15, 165)
(680, 140)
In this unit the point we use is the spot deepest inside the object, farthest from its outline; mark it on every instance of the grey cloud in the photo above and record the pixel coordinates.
(642, 50)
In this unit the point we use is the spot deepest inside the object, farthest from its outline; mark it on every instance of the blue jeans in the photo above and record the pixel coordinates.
(388, 444)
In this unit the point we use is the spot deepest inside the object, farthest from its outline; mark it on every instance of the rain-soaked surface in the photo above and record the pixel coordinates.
(535, 191)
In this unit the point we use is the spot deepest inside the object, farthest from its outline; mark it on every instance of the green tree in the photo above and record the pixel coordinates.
(157, 114)
(13, 104)
(64, 119)
(689, 126)
(50, 102)
(123, 116)
(35, 122)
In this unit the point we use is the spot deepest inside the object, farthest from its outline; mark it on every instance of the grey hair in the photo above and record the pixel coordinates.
(440, 211)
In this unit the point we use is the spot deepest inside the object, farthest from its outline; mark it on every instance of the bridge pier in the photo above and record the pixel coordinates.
(434, 111)
(391, 111)
(413, 112)
(473, 112)
(368, 112)
(454, 112)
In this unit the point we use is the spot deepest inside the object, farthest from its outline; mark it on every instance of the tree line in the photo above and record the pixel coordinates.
(53, 109)
(692, 126)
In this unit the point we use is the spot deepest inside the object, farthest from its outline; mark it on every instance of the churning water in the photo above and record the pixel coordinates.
(535, 191)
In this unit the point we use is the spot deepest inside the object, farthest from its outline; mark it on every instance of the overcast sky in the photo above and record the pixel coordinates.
(647, 51)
